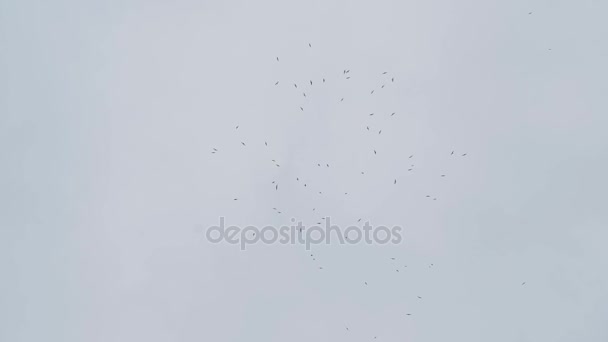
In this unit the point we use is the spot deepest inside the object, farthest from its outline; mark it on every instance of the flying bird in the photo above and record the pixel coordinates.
(276, 83)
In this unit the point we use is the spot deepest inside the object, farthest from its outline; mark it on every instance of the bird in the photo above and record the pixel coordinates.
(323, 80)
(464, 154)
(276, 83)
(277, 59)
(309, 45)
(395, 182)
(243, 143)
(302, 109)
(310, 82)
(393, 79)
(371, 114)
(304, 94)
(384, 73)
(372, 92)
(392, 113)
(380, 132)
(237, 127)
(411, 156)
(265, 143)
(342, 99)
(236, 199)
(295, 85)
(452, 153)
(524, 283)
(375, 152)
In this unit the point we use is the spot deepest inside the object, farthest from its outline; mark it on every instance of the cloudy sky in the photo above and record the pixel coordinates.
(109, 111)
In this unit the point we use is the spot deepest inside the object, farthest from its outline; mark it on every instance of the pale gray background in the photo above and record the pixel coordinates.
(109, 111)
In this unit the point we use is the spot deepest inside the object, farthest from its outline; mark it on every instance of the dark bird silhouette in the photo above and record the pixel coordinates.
(277, 59)
(323, 80)
(276, 83)
(464, 154)
(395, 182)
(295, 85)
(265, 143)
(452, 153)
(372, 92)
(310, 82)
(237, 127)
(384, 73)
(392, 113)
(393, 79)
(375, 152)
(243, 143)
(302, 109)
(411, 156)
(309, 45)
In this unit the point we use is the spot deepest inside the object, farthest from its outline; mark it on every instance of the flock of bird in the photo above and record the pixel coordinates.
(304, 181)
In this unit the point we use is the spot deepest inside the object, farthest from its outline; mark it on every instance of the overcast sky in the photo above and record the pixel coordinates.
(109, 111)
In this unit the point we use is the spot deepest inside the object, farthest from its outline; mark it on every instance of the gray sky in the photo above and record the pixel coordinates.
(109, 111)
